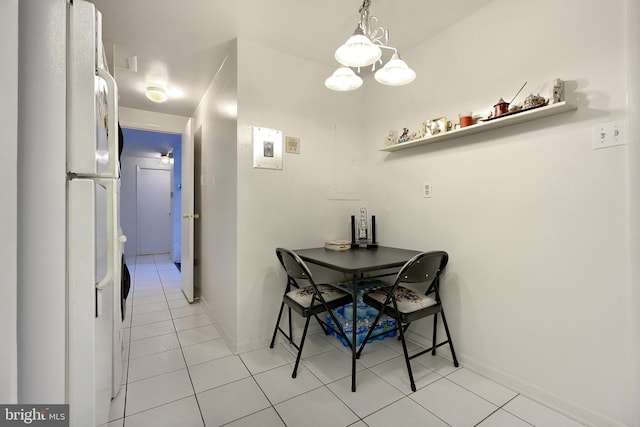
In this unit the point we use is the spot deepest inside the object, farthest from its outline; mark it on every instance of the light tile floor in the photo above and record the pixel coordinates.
(181, 373)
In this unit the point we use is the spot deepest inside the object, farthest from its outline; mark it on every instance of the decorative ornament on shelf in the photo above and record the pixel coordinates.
(362, 49)
(405, 135)
(558, 90)
(392, 138)
(533, 101)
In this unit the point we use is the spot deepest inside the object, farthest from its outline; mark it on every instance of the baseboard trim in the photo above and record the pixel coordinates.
(238, 347)
(576, 412)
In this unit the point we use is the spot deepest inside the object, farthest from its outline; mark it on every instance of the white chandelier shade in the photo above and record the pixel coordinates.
(343, 79)
(396, 72)
(358, 51)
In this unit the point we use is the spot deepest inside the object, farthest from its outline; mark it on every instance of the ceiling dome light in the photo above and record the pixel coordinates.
(343, 79)
(156, 94)
(396, 72)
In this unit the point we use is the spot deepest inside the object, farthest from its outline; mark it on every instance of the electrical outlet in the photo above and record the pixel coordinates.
(426, 190)
(609, 134)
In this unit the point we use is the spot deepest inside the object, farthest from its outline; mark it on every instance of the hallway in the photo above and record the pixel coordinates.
(181, 373)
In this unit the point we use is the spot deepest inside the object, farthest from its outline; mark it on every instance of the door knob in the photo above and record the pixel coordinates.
(185, 215)
(196, 216)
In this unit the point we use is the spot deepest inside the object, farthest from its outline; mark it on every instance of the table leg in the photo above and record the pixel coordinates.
(354, 322)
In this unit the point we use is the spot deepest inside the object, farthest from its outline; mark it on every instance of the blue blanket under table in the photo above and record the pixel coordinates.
(366, 315)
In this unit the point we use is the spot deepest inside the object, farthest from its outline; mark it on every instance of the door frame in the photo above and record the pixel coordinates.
(156, 122)
(187, 244)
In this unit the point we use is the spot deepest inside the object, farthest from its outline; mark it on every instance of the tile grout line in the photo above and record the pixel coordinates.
(195, 395)
(126, 381)
(128, 360)
(498, 407)
(262, 390)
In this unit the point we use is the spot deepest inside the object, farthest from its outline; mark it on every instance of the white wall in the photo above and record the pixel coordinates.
(633, 50)
(289, 207)
(536, 222)
(216, 115)
(246, 213)
(8, 216)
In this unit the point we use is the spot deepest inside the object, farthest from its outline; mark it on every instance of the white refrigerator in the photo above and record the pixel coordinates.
(69, 290)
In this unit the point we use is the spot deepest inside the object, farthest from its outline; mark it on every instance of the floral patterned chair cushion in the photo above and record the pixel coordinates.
(408, 300)
(303, 296)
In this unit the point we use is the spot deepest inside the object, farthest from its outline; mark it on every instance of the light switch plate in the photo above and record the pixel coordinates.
(609, 134)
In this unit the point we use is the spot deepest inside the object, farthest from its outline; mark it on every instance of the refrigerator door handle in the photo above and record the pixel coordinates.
(112, 124)
(112, 238)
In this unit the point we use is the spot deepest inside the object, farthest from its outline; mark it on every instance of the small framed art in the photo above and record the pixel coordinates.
(267, 148)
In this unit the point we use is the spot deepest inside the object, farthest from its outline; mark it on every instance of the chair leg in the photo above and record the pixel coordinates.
(446, 329)
(435, 329)
(406, 359)
(290, 328)
(304, 335)
(405, 329)
(275, 331)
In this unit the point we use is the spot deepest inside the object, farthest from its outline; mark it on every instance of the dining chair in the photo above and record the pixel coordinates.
(406, 305)
(308, 301)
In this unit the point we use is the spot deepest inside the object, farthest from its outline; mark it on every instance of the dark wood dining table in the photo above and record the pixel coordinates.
(356, 264)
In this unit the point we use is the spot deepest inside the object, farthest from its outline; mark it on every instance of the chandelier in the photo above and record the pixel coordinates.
(364, 48)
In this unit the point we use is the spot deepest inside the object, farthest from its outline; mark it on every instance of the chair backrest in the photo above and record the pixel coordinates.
(425, 267)
(296, 268)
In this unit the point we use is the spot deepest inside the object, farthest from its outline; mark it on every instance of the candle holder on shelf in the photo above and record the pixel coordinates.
(360, 231)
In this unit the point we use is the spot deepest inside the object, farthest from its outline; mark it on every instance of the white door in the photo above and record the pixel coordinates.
(154, 211)
(186, 257)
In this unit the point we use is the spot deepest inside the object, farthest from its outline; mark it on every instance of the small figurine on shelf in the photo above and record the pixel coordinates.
(405, 135)
(424, 129)
(558, 90)
(533, 101)
(392, 138)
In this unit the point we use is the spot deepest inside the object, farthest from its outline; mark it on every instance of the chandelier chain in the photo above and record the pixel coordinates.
(365, 6)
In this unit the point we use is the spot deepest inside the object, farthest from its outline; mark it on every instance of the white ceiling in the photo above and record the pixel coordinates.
(176, 40)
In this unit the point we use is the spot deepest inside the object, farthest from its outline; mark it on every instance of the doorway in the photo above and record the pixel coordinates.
(142, 150)
(153, 187)
(197, 201)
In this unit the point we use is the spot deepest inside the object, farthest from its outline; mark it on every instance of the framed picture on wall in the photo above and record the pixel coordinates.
(267, 148)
